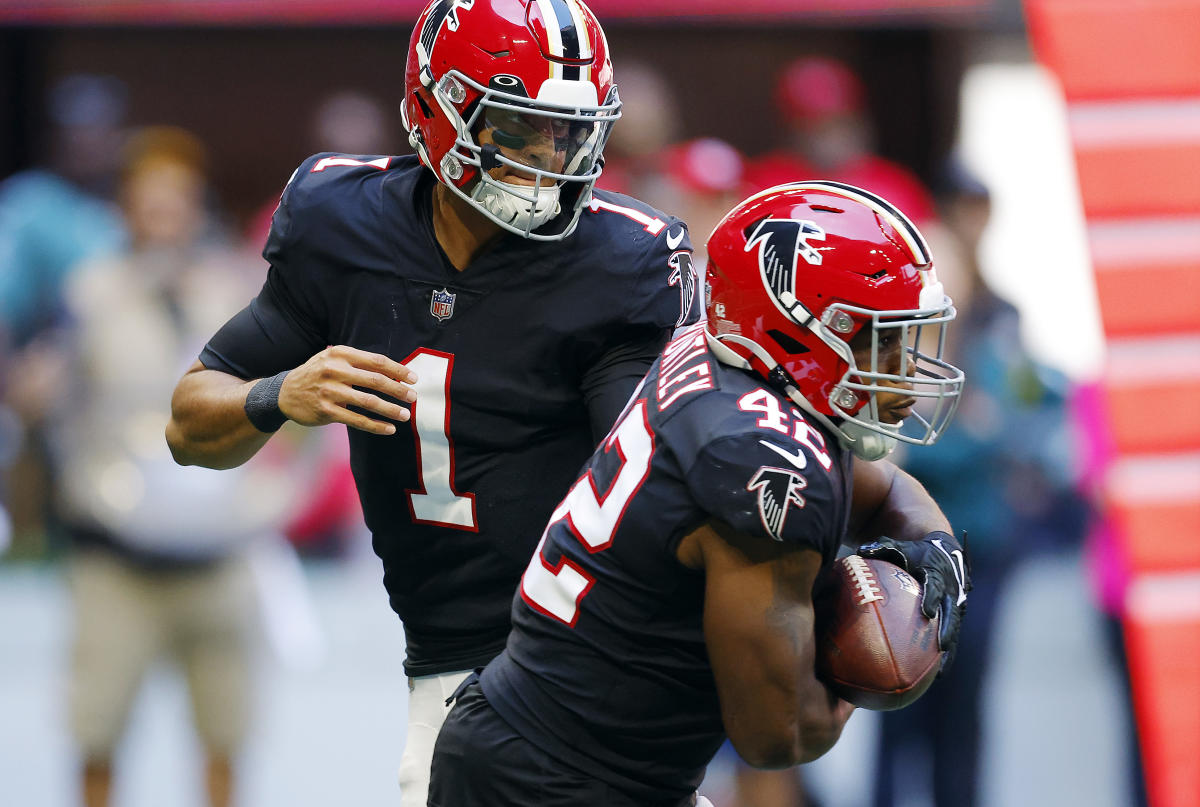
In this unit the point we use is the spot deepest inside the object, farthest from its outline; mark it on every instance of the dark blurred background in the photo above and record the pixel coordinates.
(248, 92)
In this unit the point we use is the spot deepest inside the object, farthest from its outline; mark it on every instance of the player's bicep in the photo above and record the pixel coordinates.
(889, 501)
(872, 483)
(264, 338)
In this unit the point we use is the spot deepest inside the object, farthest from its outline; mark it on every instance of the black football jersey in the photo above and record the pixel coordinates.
(507, 351)
(606, 667)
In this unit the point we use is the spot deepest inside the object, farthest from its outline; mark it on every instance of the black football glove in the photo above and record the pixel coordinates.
(940, 565)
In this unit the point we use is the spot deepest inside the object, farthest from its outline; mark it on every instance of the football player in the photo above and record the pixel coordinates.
(669, 602)
(476, 314)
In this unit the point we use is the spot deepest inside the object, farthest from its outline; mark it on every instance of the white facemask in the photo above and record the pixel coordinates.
(510, 203)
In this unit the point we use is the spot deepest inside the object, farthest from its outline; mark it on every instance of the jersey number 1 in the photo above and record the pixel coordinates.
(592, 516)
(437, 502)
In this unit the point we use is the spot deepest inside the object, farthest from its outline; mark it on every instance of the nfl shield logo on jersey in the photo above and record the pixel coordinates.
(442, 304)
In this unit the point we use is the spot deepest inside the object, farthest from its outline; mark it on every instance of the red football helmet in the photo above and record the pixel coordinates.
(796, 272)
(510, 104)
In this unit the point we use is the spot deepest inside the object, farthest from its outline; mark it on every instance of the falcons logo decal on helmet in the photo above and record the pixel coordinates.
(780, 243)
(777, 489)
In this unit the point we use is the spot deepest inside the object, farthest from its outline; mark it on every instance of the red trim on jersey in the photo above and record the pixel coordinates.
(570, 523)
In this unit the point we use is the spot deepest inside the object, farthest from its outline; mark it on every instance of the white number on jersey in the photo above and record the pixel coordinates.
(436, 502)
(592, 516)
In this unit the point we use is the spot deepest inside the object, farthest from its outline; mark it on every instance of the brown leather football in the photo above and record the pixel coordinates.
(875, 648)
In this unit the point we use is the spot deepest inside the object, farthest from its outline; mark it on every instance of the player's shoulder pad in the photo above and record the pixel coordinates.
(628, 223)
(769, 429)
(328, 196)
(650, 249)
(769, 485)
(335, 181)
(686, 372)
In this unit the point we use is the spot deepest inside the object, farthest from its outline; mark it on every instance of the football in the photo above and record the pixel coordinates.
(875, 648)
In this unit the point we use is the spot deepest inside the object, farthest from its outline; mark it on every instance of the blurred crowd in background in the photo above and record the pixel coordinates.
(117, 261)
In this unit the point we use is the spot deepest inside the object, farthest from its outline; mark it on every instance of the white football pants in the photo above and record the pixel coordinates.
(427, 711)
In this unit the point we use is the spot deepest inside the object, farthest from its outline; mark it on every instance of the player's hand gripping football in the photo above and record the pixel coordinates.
(321, 390)
(939, 563)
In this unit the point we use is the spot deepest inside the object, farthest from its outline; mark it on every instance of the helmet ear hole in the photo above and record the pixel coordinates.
(425, 110)
(789, 343)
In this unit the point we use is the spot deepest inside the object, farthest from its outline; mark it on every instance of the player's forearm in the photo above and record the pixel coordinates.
(906, 512)
(817, 714)
(787, 717)
(208, 425)
(778, 713)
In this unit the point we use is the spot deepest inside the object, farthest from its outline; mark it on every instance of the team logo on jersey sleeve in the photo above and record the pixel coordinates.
(684, 275)
(778, 489)
(441, 305)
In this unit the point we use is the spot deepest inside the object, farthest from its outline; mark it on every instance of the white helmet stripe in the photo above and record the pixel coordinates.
(581, 30)
(553, 28)
(567, 39)
(585, 43)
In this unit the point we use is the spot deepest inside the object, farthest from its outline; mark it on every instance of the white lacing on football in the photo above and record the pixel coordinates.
(864, 580)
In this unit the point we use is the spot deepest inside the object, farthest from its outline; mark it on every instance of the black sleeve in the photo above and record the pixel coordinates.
(284, 326)
(264, 338)
(608, 384)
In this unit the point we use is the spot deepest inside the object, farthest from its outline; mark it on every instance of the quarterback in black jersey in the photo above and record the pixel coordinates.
(477, 314)
(669, 603)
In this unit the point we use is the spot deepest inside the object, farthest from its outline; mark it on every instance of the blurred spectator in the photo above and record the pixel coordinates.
(158, 568)
(51, 218)
(649, 124)
(702, 181)
(54, 216)
(5, 530)
(830, 136)
(352, 122)
(1003, 473)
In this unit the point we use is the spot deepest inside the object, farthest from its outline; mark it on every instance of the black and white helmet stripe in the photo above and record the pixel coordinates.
(900, 222)
(568, 38)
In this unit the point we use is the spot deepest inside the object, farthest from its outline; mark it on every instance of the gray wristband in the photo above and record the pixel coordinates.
(262, 404)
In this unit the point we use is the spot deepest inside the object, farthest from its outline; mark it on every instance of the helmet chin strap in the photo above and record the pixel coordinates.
(504, 201)
(866, 444)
